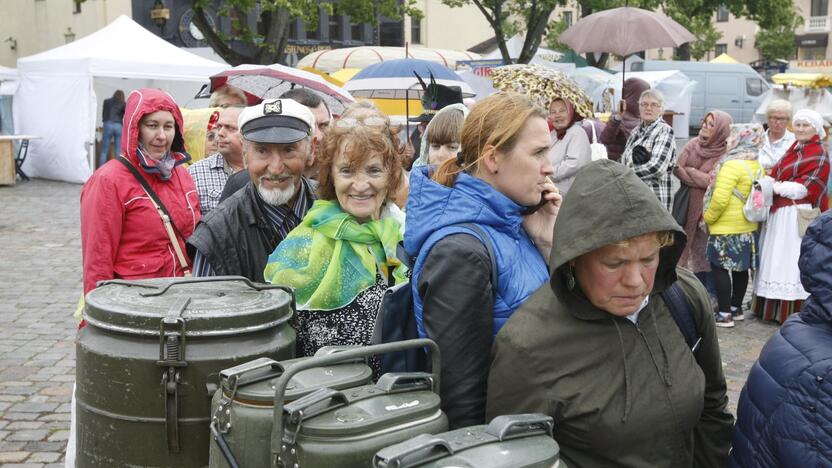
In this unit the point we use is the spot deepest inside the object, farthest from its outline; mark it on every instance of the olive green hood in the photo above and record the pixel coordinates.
(608, 203)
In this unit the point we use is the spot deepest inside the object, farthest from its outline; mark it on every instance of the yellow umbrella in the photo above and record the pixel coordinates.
(398, 106)
(345, 74)
(808, 80)
(324, 75)
(196, 127)
(723, 58)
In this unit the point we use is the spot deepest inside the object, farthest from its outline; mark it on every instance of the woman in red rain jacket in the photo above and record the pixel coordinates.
(122, 234)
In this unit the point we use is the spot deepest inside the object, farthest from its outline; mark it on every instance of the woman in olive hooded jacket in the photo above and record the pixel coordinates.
(597, 348)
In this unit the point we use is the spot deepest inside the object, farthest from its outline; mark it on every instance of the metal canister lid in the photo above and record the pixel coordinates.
(338, 376)
(216, 306)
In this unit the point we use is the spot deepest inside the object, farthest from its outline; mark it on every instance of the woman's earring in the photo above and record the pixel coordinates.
(570, 278)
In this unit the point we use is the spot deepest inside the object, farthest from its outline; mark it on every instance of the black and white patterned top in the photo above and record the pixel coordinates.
(210, 176)
(350, 325)
(657, 138)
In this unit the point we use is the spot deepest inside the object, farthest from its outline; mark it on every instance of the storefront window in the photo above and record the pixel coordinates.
(813, 53)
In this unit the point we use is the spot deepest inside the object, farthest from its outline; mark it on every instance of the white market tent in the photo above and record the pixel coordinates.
(545, 57)
(59, 91)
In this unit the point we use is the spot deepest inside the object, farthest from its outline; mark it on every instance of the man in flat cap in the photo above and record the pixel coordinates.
(237, 237)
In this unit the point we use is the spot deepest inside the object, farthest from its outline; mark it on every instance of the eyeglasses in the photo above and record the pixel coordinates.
(779, 119)
(647, 105)
(351, 122)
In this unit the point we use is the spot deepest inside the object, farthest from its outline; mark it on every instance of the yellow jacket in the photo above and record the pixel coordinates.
(724, 213)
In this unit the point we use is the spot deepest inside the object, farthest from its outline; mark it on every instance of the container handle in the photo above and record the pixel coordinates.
(213, 279)
(234, 377)
(514, 425)
(427, 446)
(337, 358)
(405, 381)
(303, 408)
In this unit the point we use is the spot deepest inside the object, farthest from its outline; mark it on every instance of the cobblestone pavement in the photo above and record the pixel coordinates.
(40, 283)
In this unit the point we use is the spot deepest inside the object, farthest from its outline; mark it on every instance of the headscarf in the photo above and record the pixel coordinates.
(422, 160)
(744, 143)
(633, 87)
(330, 258)
(572, 117)
(717, 144)
(811, 117)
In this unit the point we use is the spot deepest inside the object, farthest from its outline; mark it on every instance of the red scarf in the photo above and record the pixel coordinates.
(807, 164)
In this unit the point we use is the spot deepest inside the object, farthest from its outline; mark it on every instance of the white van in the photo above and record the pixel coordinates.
(734, 88)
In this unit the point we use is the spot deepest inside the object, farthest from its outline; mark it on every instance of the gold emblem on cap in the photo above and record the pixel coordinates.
(275, 107)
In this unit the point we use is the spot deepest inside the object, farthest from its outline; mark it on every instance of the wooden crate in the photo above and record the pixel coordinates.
(7, 154)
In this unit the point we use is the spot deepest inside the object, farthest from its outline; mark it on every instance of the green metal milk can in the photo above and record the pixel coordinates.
(243, 407)
(346, 428)
(511, 441)
(149, 359)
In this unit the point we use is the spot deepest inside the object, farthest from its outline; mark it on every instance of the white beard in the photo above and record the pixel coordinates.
(276, 197)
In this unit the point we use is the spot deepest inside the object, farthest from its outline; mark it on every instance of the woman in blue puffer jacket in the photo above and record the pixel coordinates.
(461, 295)
(785, 409)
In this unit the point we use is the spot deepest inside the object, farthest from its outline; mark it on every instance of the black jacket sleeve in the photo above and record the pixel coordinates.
(457, 296)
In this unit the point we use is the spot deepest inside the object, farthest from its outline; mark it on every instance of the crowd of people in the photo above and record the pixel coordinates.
(551, 283)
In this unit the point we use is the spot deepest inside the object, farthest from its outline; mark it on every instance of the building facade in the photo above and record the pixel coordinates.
(444, 27)
(40, 25)
(812, 37)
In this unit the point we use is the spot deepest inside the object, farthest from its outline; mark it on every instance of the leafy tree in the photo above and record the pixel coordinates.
(777, 42)
(531, 17)
(553, 34)
(700, 23)
(265, 41)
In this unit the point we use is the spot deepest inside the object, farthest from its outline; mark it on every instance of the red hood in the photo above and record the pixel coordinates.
(140, 103)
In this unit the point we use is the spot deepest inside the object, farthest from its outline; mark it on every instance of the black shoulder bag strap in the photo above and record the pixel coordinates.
(150, 192)
(682, 313)
(167, 220)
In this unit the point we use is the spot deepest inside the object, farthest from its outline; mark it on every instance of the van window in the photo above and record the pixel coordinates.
(754, 86)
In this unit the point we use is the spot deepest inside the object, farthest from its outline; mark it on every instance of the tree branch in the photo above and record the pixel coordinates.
(215, 41)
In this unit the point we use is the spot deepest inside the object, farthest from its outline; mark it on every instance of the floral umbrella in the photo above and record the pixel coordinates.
(542, 85)
(271, 81)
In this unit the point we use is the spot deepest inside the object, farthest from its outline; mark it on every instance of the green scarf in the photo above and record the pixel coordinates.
(330, 258)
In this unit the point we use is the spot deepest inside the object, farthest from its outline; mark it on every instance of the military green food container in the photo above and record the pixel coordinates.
(516, 441)
(149, 358)
(345, 428)
(243, 409)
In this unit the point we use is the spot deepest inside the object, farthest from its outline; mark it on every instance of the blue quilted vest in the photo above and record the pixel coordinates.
(435, 211)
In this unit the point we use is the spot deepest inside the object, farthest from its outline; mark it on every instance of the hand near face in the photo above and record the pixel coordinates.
(540, 225)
